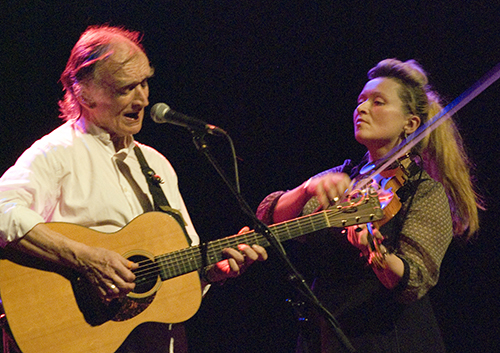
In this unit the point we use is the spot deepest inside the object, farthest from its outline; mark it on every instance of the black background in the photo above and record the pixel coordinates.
(282, 78)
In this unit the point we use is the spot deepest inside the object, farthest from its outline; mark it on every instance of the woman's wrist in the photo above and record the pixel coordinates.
(305, 189)
(376, 258)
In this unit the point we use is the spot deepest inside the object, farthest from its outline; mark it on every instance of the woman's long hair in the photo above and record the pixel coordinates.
(442, 150)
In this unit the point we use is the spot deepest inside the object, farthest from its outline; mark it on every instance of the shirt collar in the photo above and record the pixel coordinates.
(87, 127)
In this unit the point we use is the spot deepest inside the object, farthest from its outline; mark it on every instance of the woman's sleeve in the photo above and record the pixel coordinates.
(425, 236)
(266, 208)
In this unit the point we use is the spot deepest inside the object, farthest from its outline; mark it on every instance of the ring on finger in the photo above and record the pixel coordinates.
(334, 200)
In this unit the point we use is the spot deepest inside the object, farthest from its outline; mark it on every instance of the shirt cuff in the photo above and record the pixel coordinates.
(17, 221)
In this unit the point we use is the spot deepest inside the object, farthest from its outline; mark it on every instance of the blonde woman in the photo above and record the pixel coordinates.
(386, 308)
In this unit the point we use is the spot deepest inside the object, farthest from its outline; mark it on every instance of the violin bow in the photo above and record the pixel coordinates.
(425, 129)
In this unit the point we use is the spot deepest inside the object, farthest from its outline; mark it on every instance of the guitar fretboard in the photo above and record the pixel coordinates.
(193, 258)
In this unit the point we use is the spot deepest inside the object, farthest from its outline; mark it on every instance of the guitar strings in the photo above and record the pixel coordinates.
(231, 242)
(189, 259)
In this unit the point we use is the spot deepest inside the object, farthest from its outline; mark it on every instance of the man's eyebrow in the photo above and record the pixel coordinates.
(123, 84)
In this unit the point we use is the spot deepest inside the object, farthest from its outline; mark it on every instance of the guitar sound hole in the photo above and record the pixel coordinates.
(146, 275)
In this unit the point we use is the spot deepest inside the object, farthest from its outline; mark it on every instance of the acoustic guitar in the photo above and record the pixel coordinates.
(51, 308)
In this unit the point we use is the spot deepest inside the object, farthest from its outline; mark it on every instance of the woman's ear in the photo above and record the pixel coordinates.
(412, 124)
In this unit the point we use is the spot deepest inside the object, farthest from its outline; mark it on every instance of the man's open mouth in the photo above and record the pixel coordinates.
(134, 116)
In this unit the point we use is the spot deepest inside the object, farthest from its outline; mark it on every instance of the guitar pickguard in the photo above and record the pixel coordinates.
(94, 309)
(51, 308)
(97, 311)
(131, 307)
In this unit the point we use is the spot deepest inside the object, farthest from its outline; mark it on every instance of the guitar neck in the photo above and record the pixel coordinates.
(85, 323)
(364, 210)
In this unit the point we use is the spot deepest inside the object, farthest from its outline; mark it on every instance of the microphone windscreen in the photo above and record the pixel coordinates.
(158, 112)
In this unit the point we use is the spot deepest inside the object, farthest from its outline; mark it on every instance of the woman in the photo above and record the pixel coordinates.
(385, 307)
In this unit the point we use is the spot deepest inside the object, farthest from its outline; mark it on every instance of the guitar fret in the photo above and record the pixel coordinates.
(84, 315)
(190, 259)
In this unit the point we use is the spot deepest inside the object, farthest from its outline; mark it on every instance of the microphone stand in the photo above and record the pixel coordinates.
(294, 276)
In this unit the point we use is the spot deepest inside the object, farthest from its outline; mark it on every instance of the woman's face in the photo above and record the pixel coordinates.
(380, 120)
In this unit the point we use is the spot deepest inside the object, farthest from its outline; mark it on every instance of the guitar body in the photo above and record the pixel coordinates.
(48, 310)
(51, 308)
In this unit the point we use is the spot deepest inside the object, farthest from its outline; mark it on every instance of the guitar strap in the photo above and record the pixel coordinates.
(160, 201)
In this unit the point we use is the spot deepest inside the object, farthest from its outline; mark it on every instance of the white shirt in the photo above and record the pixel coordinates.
(71, 175)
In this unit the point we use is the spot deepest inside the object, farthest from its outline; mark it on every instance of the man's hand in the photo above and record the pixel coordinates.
(237, 261)
(108, 271)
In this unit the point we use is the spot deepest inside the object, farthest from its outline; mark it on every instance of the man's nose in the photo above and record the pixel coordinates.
(141, 95)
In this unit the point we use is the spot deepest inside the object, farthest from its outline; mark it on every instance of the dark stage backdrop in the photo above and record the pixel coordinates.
(282, 77)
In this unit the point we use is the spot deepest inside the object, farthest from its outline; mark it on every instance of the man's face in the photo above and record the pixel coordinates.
(119, 93)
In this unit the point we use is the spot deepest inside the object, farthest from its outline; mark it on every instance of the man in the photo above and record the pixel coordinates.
(86, 172)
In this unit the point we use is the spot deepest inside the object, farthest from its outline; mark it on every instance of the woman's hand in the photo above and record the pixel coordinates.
(393, 271)
(327, 188)
(358, 236)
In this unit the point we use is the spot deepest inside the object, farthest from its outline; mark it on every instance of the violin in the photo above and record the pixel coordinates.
(386, 184)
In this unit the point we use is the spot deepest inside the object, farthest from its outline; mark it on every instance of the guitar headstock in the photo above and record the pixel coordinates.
(363, 209)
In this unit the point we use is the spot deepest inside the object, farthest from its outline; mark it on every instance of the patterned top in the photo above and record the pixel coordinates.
(419, 234)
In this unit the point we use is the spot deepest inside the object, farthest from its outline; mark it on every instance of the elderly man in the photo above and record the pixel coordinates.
(88, 172)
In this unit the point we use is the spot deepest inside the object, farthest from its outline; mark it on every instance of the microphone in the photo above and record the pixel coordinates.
(161, 113)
